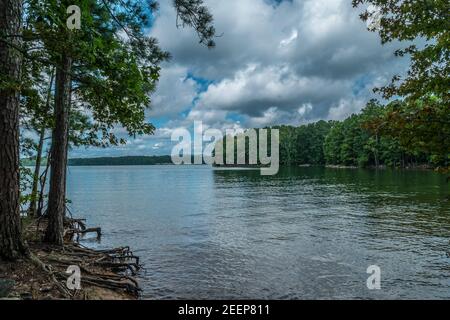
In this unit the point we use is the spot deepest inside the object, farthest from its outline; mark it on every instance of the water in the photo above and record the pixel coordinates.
(308, 233)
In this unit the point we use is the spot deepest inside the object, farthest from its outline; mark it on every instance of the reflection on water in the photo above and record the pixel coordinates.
(306, 233)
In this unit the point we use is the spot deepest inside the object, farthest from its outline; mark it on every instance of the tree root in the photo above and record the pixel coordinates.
(78, 232)
(49, 270)
(108, 269)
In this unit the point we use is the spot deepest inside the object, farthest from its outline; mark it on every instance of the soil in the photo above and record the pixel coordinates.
(104, 275)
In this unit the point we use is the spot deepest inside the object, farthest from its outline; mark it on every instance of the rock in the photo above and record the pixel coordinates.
(6, 286)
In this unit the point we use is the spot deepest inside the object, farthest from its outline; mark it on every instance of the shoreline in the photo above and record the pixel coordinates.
(44, 274)
(330, 166)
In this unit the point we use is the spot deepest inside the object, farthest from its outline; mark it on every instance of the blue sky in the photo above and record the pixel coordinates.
(276, 62)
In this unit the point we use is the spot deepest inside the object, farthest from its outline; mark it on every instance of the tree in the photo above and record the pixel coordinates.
(420, 127)
(37, 168)
(361, 140)
(11, 245)
(428, 21)
(310, 140)
(74, 51)
(421, 120)
(110, 65)
(59, 152)
(288, 145)
(332, 144)
(36, 116)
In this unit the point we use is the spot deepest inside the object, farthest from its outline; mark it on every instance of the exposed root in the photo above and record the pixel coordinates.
(49, 270)
(112, 270)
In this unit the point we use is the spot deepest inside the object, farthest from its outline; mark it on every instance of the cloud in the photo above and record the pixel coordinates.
(344, 107)
(286, 42)
(157, 146)
(279, 55)
(256, 89)
(276, 62)
(175, 92)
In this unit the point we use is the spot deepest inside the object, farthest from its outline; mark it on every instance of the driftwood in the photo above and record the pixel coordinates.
(78, 232)
(74, 228)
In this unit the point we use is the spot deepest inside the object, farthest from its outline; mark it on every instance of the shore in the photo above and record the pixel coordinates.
(43, 275)
(383, 167)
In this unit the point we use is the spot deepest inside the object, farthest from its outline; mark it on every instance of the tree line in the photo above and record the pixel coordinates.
(121, 161)
(414, 127)
(368, 139)
(70, 88)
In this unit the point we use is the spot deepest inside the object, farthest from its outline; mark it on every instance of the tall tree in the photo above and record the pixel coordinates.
(41, 130)
(111, 65)
(421, 121)
(59, 151)
(425, 22)
(35, 116)
(11, 245)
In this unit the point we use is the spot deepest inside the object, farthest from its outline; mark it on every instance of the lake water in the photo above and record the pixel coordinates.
(307, 233)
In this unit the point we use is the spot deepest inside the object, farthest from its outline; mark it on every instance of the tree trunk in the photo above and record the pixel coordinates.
(57, 193)
(377, 161)
(37, 169)
(39, 151)
(42, 182)
(11, 245)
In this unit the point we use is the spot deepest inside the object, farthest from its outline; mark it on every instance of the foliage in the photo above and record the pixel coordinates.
(420, 120)
(115, 62)
(115, 67)
(422, 127)
(366, 139)
(427, 22)
(303, 144)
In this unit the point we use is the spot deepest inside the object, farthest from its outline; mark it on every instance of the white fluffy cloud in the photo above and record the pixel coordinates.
(257, 89)
(274, 57)
(276, 62)
(175, 92)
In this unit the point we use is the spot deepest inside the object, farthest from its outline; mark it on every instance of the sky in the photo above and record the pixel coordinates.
(275, 62)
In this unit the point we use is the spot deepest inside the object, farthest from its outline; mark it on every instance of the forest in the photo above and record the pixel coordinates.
(393, 135)
(121, 161)
(367, 139)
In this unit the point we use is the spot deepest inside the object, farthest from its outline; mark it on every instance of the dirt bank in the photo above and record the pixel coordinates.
(104, 274)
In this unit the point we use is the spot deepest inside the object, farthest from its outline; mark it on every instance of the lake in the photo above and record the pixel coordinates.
(307, 233)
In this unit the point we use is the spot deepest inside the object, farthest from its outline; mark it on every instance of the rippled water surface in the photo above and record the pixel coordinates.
(307, 233)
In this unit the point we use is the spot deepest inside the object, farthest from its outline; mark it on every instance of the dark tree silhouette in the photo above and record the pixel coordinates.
(11, 246)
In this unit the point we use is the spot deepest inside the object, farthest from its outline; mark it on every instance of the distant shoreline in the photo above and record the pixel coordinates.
(167, 160)
(111, 161)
